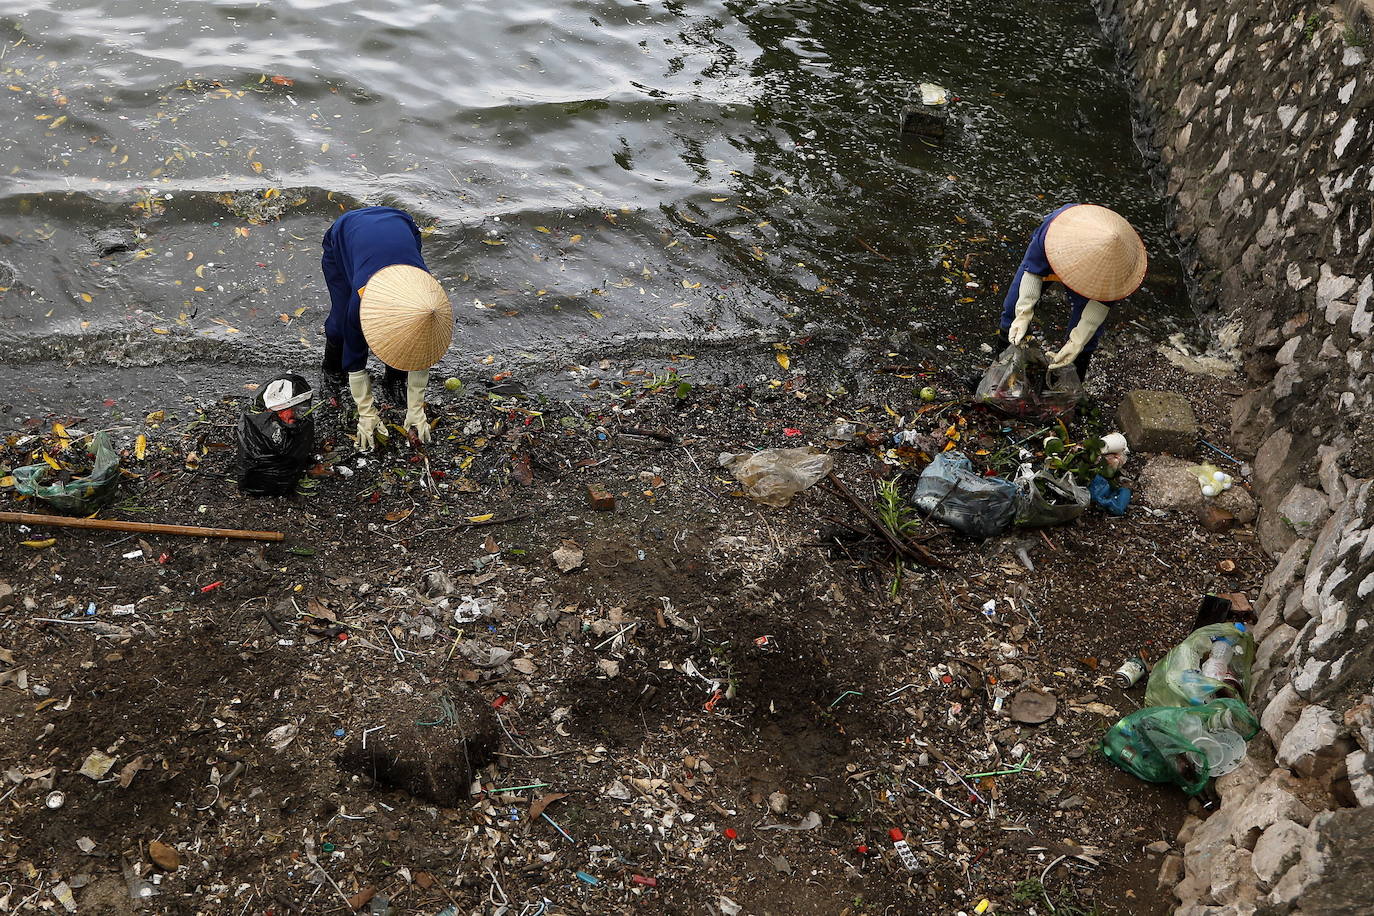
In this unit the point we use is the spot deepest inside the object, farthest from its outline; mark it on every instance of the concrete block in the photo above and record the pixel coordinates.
(1158, 421)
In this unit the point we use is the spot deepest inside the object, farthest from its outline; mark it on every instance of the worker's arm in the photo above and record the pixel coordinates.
(369, 420)
(1094, 313)
(1027, 297)
(415, 403)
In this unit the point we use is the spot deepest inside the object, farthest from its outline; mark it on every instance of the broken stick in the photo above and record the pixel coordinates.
(904, 547)
(61, 521)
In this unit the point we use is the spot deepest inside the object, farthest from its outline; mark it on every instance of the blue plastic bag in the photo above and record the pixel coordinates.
(1107, 496)
(951, 492)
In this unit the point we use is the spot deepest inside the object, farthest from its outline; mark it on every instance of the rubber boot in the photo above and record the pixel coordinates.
(333, 378)
(394, 387)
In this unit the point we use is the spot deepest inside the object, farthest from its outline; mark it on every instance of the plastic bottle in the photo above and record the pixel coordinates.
(1217, 665)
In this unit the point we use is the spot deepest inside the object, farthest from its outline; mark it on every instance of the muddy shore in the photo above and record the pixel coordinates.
(234, 714)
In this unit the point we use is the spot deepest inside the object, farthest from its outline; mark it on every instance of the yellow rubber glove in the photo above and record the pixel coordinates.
(1094, 313)
(1028, 294)
(369, 420)
(415, 403)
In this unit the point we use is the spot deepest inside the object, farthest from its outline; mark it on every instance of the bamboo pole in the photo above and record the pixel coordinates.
(62, 521)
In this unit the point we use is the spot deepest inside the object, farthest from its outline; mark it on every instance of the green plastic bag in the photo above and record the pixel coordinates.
(1212, 663)
(1044, 498)
(80, 495)
(1185, 746)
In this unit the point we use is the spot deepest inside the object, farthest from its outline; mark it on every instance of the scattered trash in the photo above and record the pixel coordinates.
(1044, 498)
(471, 609)
(1185, 746)
(810, 822)
(587, 879)
(1211, 663)
(63, 892)
(1020, 383)
(1130, 672)
(904, 853)
(568, 557)
(97, 764)
(1211, 479)
(774, 475)
(55, 800)
(67, 492)
(1031, 706)
(1108, 496)
(928, 114)
(950, 492)
(276, 443)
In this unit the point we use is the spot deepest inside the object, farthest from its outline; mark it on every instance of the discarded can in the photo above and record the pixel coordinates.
(1131, 671)
(55, 800)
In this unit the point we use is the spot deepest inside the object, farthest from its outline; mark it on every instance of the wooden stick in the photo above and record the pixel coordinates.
(903, 546)
(62, 521)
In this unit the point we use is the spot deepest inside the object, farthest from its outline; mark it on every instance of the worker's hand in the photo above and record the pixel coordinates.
(415, 404)
(369, 420)
(1028, 294)
(1094, 313)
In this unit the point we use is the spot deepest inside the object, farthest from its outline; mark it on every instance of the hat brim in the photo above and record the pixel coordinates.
(1096, 253)
(406, 317)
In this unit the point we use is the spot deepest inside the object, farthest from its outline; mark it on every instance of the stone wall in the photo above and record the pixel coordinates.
(1261, 115)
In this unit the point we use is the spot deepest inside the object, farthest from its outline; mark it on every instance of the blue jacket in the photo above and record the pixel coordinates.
(360, 243)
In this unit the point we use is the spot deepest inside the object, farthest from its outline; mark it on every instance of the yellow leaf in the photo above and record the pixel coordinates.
(784, 360)
(160, 330)
(542, 229)
(39, 545)
(594, 314)
(481, 518)
(140, 447)
(324, 147)
(257, 167)
(58, 122)
(200, 271)
(157, 416)
(52, 462)
(691, 284)
(85, 297)
(758, 253)
(7, 481)
(301, 311)
(493, 241)
(719, 200)
(575, 239)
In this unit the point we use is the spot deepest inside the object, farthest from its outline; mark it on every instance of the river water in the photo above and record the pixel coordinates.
(592, 175)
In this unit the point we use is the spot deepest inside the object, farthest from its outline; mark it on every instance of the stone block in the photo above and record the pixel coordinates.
(1277, 849)
(1170, 873)
(1275, 534)
(1158, 421)
(1295, 612)
(1335, 874)
(1233, 878)
(1276, 467)
(1304, 509)
(1272, 800)
(1274, 649)
(1290, 565)
(599, 498)
(1281, 714)
(1359, 768)
(1312, 744)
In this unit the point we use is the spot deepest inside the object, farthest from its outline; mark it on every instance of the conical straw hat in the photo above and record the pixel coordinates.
(1096, 253)
(406, 317)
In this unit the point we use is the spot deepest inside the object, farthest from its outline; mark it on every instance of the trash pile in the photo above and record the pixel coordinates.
(1196, 721)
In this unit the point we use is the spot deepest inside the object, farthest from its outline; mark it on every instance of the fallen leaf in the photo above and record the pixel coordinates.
(537, 808)
(164, 856)
(400, 515)
(286, 81)
(481, 518)
(360, 899)
(140, 447)
(784, 360)
(39, 545)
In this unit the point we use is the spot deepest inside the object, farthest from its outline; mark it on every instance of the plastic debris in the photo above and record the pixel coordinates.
(1212, 662)
(97, 764)
(276, 444)
(79, 495)
(1184, 746)
(952, 493)
(1020, 383)
(775, 475)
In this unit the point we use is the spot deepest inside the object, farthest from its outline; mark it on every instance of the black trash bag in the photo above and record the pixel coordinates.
(1020, 383)
(1044, 498)
(952, 493)
(276, 445)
